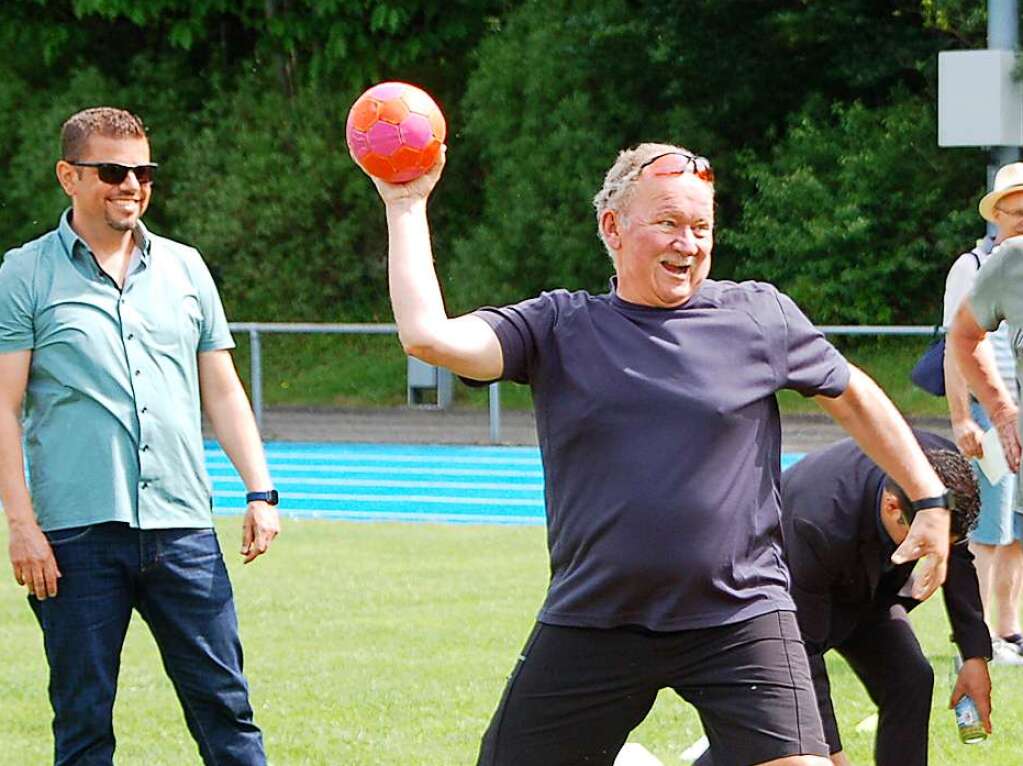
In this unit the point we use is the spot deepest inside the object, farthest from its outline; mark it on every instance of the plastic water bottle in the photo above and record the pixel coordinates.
(971, 729)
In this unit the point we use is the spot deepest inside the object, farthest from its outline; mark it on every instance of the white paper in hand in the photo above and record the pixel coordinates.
(993, 463)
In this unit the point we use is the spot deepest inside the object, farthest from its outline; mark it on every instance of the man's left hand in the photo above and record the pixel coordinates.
(927, 539)
(261, 526)
(975, 682)
(1006, 421)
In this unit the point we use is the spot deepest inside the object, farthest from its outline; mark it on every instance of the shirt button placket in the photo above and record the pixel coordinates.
(133, 357)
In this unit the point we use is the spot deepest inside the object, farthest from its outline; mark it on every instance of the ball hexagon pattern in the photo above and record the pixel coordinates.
(395, 131)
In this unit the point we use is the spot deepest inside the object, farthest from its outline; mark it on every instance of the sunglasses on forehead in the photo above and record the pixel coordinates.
(115, 173)
(679, 163)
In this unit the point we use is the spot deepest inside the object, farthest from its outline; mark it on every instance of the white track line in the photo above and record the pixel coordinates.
(304, 482)
(385, 469)
(315, 482)
(400, 516)
(216, 456)
(399, 498)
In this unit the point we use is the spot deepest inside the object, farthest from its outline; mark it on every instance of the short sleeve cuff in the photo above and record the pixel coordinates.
(508, 335)
(8, 345)
(984, 314)
(837, 380)
(220, 343)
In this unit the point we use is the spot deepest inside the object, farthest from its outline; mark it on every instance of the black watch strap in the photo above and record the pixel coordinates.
(945, 500)
(270, 497)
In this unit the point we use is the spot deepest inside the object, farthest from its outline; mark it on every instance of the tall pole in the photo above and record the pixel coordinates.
(1002, 34)
(1003, 25)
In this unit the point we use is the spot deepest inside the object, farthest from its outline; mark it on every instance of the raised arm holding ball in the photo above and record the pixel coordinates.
(661, 443)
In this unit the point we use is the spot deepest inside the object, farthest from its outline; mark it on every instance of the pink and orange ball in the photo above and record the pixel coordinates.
(395, 131)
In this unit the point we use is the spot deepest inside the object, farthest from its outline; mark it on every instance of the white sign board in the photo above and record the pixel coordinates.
(979, 103)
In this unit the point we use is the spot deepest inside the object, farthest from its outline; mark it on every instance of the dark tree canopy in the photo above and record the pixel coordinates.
(818, 116)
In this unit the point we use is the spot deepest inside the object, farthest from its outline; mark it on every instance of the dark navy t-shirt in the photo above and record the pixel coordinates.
(661, 445)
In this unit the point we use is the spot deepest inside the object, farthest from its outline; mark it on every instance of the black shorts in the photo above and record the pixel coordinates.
(576, 693)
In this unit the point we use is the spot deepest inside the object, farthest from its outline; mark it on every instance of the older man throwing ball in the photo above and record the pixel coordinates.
(660, 438)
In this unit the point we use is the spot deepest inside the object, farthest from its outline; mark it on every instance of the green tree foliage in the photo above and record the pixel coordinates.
(245, 103)
(296, 232)
(543, 117)
(859, 215)
(563, 85)
(246, 100)
(965, 20)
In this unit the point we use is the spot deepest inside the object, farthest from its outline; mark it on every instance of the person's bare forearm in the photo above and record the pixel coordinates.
(967, 434)
(956, 391)
(235, 427)
(415, 292)
(869, 416)
(976, 361)
(230, 414)
(31, 556)
(465, 345)
(14, 494)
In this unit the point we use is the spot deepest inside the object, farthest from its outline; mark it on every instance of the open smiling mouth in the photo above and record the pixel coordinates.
(677, 269)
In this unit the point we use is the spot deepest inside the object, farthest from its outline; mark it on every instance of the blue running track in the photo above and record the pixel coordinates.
(396, 482)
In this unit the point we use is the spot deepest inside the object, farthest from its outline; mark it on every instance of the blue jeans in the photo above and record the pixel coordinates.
(177, 581)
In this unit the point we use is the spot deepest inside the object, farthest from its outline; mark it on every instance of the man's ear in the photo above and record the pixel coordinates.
(67, 176)
(610, 228)
(891, 508)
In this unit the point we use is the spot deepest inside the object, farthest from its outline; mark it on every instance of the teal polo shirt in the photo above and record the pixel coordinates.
(113, 430)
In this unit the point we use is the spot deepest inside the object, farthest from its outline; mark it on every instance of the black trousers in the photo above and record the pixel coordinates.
(886, 656)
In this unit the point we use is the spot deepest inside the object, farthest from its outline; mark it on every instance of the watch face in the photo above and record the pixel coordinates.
(272, 497)
(950, 500)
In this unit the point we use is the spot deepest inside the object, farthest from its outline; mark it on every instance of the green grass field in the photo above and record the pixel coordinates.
(352, 371)
(380, 644)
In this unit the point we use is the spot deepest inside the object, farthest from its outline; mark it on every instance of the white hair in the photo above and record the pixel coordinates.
(620, 182)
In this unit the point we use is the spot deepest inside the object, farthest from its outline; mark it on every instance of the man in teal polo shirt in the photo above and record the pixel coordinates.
(109, 335)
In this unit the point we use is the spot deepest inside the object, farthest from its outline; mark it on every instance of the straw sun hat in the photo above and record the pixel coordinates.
(1009, 179)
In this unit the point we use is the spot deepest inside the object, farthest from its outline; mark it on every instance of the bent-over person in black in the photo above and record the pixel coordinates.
(842, 519)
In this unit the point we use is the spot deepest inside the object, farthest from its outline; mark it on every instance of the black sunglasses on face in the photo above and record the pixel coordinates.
(115, 173)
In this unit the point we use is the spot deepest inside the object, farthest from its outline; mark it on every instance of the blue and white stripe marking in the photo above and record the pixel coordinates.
(396, 482)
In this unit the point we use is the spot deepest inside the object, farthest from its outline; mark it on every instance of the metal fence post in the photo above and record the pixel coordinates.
(495, 413)
(256, 378)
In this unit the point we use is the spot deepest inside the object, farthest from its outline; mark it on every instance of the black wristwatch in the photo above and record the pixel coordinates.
(270, 497)
(945, 500)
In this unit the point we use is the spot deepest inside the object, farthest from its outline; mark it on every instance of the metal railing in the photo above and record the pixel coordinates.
(256, 358)
(880, 329)
(254, 329)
